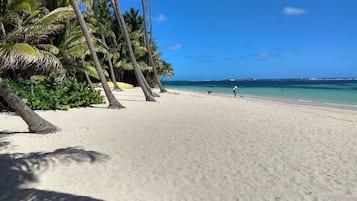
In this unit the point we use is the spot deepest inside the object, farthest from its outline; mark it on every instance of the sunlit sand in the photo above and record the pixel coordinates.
(186, 146)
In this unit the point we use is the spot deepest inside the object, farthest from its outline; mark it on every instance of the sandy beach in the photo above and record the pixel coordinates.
(185, 147)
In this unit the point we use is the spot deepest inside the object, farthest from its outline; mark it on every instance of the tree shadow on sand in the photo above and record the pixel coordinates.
(18, 169)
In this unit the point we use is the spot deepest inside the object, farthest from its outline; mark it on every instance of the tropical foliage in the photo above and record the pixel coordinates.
(40, 37)
(26, 38)
(49, 94)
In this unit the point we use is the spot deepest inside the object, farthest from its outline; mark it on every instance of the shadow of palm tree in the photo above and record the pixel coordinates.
(17, 169)
(13, 132)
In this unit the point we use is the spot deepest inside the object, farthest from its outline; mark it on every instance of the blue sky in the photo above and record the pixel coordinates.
(256, 38)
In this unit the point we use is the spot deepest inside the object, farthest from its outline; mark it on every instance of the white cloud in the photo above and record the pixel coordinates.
(161, 18)
(265, 55)
(202, 58)
(173, 47)
(293, 11)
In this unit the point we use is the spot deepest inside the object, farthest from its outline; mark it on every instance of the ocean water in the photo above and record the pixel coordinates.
(331, 93)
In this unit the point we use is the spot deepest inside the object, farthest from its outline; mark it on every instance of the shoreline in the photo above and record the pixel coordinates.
(290, 101)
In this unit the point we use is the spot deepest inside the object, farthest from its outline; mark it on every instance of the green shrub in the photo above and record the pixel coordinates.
(50, 94)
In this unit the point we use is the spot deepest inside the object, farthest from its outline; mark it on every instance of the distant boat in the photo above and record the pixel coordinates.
(232, 80)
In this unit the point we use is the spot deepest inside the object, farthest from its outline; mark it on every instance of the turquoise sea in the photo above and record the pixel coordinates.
(330, 93)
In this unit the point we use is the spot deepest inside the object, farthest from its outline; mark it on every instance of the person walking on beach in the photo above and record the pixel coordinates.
(235, 89)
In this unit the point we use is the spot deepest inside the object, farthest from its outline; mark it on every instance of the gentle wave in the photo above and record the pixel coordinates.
(331, 93)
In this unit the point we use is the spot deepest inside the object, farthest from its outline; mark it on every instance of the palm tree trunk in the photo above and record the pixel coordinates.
(139, 75)
(110, 63)
(122, 26)
(86, 73)
(113, 102)
(148, 46)
(88, 80)
(150, 15)
(112, 74)
(36, 123)
(145, 83)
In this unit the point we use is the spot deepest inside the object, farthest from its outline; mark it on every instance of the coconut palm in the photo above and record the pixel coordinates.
(148, 46)
(73, 49)
(26, 31)
(139, 75)
(35, 123)
(133, 22)
(113, 102)
(26, 37)
(108, 57)
(165, 69)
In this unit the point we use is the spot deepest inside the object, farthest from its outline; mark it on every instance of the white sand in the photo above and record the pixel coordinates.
(188, 146)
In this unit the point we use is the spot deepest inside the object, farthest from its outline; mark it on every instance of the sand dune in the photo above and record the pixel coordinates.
(187, 146)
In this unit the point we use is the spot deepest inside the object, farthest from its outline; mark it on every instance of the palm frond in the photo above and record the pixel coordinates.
(72, 40)
(35, 14)
(127, 66)
(140, 51)
(24, 56)
(35, 33)
(15, 55)
(144, 66)
(74, 37)
(59, 15)
(49, 48)
(100, 46)
(93, 72)
(117, 64)
(91, 28)
(77, 50)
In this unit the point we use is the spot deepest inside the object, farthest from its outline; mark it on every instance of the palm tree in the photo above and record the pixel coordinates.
(26, 37)
(134, 25)
(113, 102)
(36, 123)
(166, 69)
(139, 75)
(25, 45)
(73, 49)
(109, 60)
(149, 49)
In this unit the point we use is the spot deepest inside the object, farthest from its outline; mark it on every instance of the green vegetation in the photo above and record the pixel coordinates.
(52, 94)
(92, 44)
(42, 37)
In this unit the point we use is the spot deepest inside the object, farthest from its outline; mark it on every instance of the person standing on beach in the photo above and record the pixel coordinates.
(235, 89)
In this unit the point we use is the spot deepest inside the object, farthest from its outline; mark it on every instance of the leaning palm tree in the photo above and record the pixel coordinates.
(73, 49)
(139, 75)
(113, 102)
(149, 49)
(133, 22)
(108, 57)
(24, 45)
(35, 123)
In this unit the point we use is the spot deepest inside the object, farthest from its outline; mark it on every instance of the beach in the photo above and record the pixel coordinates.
(187, 146)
